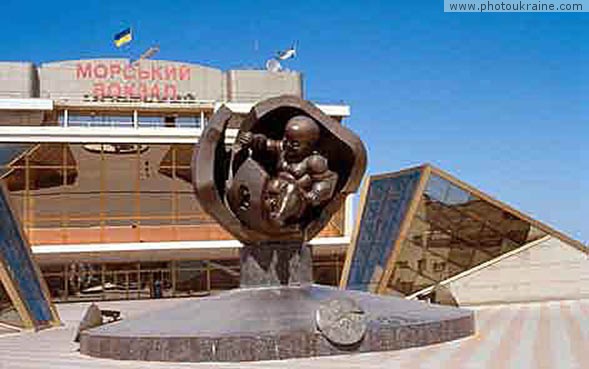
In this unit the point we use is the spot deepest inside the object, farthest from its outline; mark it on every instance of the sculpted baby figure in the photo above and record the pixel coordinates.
(303, 179)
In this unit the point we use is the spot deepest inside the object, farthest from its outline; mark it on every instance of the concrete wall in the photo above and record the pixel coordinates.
(547, 270)
(80, 80)
(255, 85)
(18, 80)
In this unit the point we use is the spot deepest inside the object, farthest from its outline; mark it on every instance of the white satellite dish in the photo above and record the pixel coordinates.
(273, 65)
(287, 54)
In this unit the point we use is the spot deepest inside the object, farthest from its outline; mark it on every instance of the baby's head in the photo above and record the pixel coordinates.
(300, 136)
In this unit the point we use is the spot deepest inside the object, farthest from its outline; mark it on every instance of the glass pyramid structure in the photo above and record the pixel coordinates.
(421, 226)
(24, 297)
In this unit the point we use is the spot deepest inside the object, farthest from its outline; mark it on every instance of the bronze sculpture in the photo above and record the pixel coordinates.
(289, 170)
(302, 180)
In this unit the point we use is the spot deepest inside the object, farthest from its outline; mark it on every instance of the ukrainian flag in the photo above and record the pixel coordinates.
(123, 37)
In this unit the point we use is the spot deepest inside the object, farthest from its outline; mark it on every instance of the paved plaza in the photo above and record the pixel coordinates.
(536, 335)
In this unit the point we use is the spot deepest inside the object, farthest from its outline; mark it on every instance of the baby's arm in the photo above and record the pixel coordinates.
(324, 180)
(259, 142)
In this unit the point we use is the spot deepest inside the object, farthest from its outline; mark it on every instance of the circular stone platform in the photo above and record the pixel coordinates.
(272, 323)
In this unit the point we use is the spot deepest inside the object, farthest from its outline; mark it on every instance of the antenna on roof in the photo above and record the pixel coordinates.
(147, 54)
(150, 52)
(288, 53)
(273, 65)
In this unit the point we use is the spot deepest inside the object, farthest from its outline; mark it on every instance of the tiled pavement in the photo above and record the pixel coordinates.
(536, 335)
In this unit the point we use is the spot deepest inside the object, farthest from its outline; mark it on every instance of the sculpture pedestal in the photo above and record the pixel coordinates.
(276, 264)
(277, 314)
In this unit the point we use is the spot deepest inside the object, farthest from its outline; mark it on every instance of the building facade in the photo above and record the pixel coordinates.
(96, 155)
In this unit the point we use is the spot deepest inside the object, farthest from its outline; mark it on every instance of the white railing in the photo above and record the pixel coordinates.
(36, 134)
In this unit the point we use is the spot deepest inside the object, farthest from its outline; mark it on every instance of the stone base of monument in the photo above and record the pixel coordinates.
(277, 322)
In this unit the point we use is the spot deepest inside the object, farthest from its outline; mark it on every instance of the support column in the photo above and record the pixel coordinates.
(66, 118)
(135, 119)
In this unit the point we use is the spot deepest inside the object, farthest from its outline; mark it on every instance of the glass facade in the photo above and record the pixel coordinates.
(170, 121)
(107, 193)
(384, 209)
(20, 273)
(141, 280)
(77, 281)
(450, 229)
(97, 120)
(111, 193)
(88, 193)
(125, 119)
(327, 269)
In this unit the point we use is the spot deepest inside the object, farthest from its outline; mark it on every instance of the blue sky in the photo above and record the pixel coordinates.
(497, 99)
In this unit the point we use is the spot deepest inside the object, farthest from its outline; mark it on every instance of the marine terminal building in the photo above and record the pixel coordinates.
(96, 157)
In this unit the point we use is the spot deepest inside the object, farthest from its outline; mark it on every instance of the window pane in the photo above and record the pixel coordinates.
(188, 122)
(120, 209)
(157, 208)
(83, 209)
(456, 196)
(436, 188)
(184, 154)
(151, 121)
(99, 120)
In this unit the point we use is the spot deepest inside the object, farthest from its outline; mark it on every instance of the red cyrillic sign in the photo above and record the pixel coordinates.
(114, 79)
